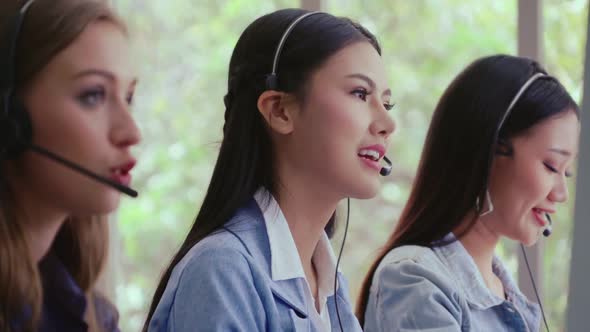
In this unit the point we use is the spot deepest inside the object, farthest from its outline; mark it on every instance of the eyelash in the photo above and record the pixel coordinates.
(363, 93)
(97, 92)
(554, 170)
(129, 99)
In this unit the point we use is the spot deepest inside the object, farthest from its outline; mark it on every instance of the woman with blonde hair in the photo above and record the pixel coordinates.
(67, 86)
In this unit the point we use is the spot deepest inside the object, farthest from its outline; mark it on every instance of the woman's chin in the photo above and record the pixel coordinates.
(367, 190)
(530, 239)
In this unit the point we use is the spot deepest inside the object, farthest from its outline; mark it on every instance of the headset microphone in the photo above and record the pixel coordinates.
(549, 229)
(546, 231)
(386, 170)
(124, 189)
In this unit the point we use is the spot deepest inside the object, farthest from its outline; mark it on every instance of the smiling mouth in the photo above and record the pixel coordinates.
(369, 154)
(541, 217)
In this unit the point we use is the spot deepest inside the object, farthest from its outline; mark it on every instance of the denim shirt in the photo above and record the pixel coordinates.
(440, 289)
(229, 281)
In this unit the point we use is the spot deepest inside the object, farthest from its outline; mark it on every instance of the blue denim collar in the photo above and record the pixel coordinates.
(463, 268)
(251, 227)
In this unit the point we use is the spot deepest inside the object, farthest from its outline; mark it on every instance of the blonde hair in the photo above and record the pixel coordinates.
(81, 245)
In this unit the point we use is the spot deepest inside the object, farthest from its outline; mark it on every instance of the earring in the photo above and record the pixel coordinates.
(490, 205)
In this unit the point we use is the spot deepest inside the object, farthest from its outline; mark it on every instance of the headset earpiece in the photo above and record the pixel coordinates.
(15, 129)
(15, 123)
(504, 148)
(272, 82)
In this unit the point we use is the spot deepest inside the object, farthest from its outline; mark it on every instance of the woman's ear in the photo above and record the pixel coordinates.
(277, 109)
(504, 148)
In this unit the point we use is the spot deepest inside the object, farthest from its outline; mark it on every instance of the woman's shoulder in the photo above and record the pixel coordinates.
(239, 248)
(215, 251)
(418, 265)
(107, 315)
(242, 238)
(412, 288)
(218, 271)
(410, 253)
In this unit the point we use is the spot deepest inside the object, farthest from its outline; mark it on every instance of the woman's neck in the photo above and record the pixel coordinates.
(40, 222)
(480, 242)
(307, 204)
(307, 215)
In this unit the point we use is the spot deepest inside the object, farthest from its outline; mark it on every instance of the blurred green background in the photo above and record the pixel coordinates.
(182, 50)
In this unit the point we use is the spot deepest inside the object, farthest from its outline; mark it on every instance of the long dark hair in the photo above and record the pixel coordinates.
(245, 160)
(461, 143)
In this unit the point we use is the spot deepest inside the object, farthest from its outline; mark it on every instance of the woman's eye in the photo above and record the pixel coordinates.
(92, 97)
(361, 93)
(388, 106)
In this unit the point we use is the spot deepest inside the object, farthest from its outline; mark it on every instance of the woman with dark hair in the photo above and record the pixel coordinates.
(306, 125)
(67, 84)
(500, 145)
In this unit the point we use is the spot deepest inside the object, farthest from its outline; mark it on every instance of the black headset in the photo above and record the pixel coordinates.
(15, 124)
(547, 231)
(272, 79)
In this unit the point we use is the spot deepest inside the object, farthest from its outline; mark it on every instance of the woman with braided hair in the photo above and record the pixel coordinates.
(306, 125)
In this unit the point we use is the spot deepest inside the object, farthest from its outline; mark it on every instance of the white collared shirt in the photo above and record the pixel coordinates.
(285, 260)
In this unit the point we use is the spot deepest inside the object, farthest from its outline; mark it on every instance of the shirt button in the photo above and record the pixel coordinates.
(510, 309)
